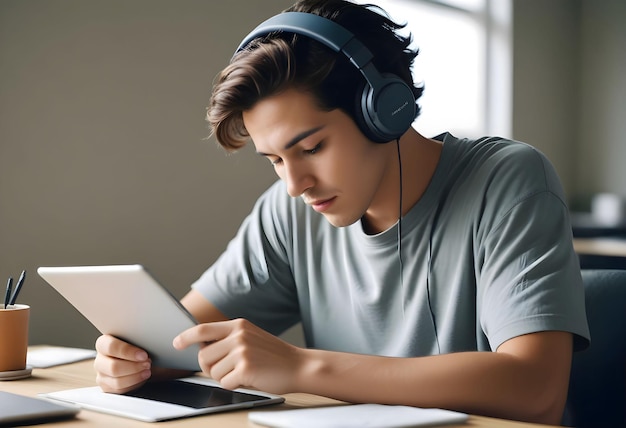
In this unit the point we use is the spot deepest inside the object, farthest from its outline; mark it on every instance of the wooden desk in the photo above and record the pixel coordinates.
(608, 247)
(81, 374)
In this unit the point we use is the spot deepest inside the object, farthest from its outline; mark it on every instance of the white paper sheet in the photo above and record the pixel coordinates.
(50, 356)
(357, 416)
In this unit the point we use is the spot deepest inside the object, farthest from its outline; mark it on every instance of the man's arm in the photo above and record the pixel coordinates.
(525, 379)
(201, 309)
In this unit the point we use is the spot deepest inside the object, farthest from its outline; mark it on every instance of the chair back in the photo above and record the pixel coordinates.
(597, 390)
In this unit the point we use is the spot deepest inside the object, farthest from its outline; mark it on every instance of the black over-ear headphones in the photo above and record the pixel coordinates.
(387, 104)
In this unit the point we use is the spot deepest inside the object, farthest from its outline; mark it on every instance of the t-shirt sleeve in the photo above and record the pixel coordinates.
(252, 278)
(530, 276)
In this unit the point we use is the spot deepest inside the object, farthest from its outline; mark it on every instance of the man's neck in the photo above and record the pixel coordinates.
(419, 157)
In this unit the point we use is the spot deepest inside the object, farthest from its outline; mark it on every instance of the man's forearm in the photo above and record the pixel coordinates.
(490, 383)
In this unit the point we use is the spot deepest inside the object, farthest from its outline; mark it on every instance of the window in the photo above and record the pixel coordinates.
(464, 62)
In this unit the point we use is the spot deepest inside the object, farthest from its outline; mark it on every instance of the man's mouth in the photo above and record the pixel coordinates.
(321, 205)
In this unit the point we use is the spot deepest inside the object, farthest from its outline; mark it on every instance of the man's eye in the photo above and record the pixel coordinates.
(314, 149)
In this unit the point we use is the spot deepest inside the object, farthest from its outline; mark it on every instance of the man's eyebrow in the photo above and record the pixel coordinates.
(295, 140)
(301, 136)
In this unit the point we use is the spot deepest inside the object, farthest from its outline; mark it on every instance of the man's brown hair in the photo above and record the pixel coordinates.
(274, 63)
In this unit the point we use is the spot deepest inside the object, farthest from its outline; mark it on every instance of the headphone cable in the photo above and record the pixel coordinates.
(399, 229)
(430, 239)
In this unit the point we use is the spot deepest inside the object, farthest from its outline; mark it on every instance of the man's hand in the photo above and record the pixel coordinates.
(120, 366)
(237, 353)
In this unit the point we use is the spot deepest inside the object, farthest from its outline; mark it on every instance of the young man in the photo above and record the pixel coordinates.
(426, 272)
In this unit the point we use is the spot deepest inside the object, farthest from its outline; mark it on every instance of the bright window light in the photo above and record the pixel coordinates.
(464, 63)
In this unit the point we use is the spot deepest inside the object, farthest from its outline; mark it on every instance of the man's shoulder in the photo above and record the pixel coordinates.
(501, 169)
(494, 148)
(499, 155)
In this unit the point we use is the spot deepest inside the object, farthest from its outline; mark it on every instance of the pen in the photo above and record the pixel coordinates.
(18, 287)
(7, 295)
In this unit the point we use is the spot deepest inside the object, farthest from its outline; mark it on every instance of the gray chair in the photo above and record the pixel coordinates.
(597, 391)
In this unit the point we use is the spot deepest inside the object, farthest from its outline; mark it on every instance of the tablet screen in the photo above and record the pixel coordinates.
(192, 395)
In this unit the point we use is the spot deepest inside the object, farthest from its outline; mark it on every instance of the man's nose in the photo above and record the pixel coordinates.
(298, 179)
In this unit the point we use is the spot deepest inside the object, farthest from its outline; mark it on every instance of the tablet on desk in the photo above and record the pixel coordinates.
(18, 410)
(125, 301)
(165, 400)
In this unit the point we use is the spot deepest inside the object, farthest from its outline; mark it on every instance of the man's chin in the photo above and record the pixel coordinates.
(339, 221)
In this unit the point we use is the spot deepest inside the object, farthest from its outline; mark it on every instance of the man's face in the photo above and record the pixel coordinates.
(321, 156)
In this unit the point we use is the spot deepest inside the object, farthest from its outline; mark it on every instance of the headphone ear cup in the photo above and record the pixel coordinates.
(360, 114)
(385, 107)
(388, 109)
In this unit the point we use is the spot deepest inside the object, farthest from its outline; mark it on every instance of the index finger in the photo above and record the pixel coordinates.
(114, 347)
(202, 334)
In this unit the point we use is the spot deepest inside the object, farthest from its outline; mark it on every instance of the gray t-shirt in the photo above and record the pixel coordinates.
(486, 255)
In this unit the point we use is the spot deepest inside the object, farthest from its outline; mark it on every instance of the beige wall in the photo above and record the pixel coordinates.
(102, 150)
(601, 162)
(570, 90)
(546, 57)
(103, 157)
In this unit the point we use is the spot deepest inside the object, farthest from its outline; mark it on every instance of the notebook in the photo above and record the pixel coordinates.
(19, 410)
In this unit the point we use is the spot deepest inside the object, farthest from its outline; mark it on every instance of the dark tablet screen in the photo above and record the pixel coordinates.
(191, 394)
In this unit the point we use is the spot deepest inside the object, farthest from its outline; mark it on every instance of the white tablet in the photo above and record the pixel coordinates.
(172, 399)
(127, 302)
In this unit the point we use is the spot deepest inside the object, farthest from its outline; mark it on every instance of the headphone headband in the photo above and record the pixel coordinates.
(387, 106)
(317, 28)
